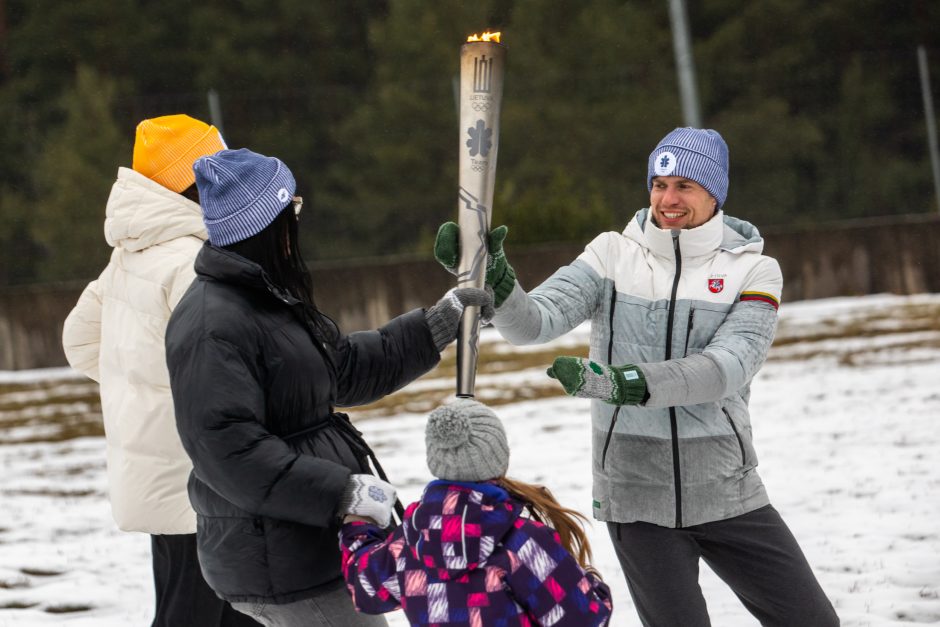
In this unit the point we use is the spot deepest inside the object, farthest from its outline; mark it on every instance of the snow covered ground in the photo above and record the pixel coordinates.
(846, 416)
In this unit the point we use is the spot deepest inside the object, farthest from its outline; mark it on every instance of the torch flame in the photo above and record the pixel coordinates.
(487, 36)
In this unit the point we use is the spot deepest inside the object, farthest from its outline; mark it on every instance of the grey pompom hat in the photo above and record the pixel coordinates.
(466, 442)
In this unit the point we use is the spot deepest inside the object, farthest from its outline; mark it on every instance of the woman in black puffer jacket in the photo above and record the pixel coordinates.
(256, 373)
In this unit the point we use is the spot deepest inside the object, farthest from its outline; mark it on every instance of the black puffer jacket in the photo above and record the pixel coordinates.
(254, 393)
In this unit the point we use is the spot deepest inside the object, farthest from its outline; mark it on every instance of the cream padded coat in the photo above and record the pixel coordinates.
(115, 335)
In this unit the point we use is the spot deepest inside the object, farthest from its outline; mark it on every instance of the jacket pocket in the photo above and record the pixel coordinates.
(737, 435)
(233, 556)
(638, 328)
(688, 330)
(703, 322)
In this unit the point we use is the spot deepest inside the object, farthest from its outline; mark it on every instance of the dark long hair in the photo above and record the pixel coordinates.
(277, 250)
(191, 193)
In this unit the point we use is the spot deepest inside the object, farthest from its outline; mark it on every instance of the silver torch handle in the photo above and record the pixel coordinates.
(482, 67)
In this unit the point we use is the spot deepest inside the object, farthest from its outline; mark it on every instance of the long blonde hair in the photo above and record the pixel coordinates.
(544, 508)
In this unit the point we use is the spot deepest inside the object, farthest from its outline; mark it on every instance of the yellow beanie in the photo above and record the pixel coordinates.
(166, 147)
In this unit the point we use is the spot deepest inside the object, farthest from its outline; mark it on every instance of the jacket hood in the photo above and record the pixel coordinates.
(456, 526)
(741, 236)
(142, 213)
(723, 232)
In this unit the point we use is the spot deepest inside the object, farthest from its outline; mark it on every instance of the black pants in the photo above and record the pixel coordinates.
(755, 554)
(184, 599)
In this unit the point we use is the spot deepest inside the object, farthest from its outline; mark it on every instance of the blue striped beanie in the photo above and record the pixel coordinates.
(241, 192)
(695, 153)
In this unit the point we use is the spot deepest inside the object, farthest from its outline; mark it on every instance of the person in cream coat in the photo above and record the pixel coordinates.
(115, 335)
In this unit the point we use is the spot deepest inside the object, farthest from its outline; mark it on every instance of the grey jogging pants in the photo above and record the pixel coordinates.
(332, 607)
(755, 554)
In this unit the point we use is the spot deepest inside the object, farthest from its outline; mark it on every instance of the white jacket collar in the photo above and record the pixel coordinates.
(702, 240)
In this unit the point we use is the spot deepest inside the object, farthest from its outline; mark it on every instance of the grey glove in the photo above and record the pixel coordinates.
(369, 497)
(444, 317)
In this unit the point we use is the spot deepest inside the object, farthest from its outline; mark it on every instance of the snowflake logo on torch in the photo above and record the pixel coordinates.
(480, 140)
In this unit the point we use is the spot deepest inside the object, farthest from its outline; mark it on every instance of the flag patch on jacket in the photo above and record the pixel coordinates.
(761, 296)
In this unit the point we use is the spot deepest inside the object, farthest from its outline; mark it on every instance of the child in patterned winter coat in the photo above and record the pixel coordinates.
(465, 554)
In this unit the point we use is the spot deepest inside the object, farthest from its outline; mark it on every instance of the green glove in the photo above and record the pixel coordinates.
(617, 385)
(499, 274)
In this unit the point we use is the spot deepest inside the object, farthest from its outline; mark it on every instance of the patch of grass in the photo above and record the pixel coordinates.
(64, 409)
(17, 605)
(492, 361)
(869, 356)
(53, 493)
(52, 427)
(66, 390)
(905, 319)
(422, 402)
(11, 403)
(68, 608)
(41, 572)
(902, 351)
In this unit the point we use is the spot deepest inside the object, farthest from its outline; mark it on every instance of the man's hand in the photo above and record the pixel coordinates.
(617, 385)
(499, 274)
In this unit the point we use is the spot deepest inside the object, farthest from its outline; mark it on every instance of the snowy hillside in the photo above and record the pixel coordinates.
(846, 417)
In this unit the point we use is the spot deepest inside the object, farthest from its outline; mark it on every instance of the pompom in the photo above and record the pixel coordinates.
(466, 442)
(448, 426)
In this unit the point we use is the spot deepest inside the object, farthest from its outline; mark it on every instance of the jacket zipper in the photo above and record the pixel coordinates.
(463, 534)
(300, 312)
(673, 424)
(736, 435)
(610, 356)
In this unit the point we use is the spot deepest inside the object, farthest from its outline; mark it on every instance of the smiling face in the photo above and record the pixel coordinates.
(680, 203)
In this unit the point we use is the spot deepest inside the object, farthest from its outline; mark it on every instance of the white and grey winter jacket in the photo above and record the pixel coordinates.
(115, 335)
(696, 310)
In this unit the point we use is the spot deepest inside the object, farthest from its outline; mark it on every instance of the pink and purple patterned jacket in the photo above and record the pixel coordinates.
(464, 555)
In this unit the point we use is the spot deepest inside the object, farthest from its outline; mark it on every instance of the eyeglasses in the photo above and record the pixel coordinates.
(298, 202)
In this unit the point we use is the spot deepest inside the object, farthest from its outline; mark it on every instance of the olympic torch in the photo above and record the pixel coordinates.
(482, 67)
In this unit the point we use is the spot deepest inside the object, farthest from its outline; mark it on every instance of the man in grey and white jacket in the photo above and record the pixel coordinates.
(683, 309)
